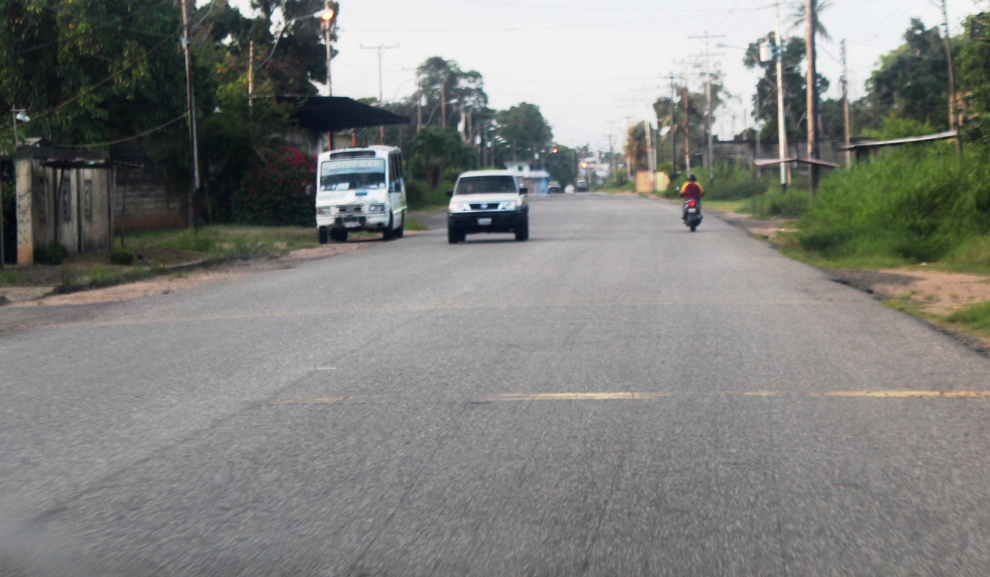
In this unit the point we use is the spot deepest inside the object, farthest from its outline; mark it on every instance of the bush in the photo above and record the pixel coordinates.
(121, 256)
(274, 194)
(790, 204)
(419, 195)
(917, 204)
(51, 255)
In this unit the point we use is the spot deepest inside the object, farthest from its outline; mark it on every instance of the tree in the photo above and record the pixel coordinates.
(690, 103)
(525, 130)
(90, 71)
(294, 58)
(436, 152)
(912, 81)
(974, 77)
(562, 164)
(636, 148)
(795, 87)
(450, 92)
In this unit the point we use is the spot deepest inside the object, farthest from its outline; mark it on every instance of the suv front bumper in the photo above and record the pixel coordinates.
(492, 221)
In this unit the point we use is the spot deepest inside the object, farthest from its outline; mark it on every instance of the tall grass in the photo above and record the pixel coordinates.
(917, 204)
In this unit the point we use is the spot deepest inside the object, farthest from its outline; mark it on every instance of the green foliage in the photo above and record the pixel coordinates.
(114, 62)
(51, 255)
(734, 182)
(790, 204)
(974, 317)
(974, 77)
(795, 87)
(525, 130)
(892, 127)
(438, 152)
(562, 164)
(918, 204)
(121, 256)
(9, 277)
(420, 195)
(274, 193)
(912, 81)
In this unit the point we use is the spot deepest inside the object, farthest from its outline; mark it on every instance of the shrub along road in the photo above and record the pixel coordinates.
(615, 396)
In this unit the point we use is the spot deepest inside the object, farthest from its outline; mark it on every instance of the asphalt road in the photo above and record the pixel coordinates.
(616, 396)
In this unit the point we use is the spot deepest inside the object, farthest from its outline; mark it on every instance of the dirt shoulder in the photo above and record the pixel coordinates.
(931, 293)
(171, 279)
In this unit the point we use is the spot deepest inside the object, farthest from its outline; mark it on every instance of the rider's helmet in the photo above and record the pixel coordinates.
(692, 178)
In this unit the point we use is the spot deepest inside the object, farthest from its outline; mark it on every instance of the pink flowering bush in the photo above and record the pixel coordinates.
(274, 193)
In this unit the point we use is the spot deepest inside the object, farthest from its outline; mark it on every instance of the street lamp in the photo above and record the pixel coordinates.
(18, 114)
(328, 15)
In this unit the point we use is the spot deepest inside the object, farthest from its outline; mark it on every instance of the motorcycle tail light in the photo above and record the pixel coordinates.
(692, 203)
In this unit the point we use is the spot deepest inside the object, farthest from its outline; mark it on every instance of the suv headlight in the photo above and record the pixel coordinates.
(508, 205)
(459, 207)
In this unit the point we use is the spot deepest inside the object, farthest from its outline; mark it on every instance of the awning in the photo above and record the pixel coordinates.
(871, 144)
(774, 161)
(328, 113)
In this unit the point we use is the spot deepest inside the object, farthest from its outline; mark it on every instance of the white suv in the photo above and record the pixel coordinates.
(487, 201)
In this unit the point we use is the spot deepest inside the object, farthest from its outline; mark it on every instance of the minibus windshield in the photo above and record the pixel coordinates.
(361, 173)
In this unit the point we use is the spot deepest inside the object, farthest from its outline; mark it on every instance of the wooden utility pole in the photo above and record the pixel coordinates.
(811, 7)
(845, 101)
(953, 125)
(781, 127)
(709, 160)
(191, 111)
(381, 101)
(673, 125)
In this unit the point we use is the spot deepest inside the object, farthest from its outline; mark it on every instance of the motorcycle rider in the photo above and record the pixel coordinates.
(691, 190)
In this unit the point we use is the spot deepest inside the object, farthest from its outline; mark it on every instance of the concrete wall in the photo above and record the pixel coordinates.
(61, 206)
(82, 208)
(141, 202)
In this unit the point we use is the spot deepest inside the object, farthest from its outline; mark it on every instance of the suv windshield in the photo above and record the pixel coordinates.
(485, 184)
(351, 174)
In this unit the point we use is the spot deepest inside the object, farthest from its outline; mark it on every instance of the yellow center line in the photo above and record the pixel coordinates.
(909, 394)
(640, 396)
(576, 396)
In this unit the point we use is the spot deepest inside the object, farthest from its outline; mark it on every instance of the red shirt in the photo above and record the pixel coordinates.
(692, 190)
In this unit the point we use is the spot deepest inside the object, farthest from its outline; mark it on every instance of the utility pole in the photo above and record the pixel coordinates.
(381, 99)
(611, 158)
(191, 111)
(327, 31)
(811, 7)
(845, 101)
(673, 125)
(781, 128)
(952, 81)
(443, 106)
(708, 104)
(686, 96)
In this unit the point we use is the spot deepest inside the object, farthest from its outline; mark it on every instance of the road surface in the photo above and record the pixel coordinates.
(615, 396)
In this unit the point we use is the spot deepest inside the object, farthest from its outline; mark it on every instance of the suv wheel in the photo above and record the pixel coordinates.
(522, 229)
(454, 236)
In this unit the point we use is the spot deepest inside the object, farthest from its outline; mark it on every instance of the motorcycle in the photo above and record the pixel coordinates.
(692, 214)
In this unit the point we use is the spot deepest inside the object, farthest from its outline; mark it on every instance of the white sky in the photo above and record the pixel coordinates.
(593, 67)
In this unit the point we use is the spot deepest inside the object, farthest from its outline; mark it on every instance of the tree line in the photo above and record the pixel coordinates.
(111, 75)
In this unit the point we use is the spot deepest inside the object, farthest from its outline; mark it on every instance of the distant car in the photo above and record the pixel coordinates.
(582, 186)
(487, 201)
(554, 187)
(569, 188)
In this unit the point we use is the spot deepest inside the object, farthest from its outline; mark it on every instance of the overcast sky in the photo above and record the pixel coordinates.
(592, 66)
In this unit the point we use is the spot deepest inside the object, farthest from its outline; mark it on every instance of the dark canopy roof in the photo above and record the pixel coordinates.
(339, 113)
